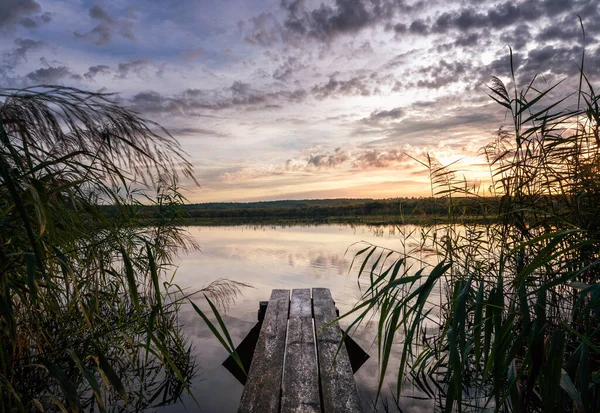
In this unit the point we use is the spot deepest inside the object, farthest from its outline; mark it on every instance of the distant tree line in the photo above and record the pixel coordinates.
(330, 208)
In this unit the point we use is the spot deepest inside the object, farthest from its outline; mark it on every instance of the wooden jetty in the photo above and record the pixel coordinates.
(294, 367)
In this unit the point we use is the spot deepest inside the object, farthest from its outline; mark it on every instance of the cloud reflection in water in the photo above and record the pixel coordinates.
(268, 258)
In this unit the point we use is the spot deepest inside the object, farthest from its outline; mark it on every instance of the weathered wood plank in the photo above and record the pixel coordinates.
(337, 382)
(301, 378)
(262, 391)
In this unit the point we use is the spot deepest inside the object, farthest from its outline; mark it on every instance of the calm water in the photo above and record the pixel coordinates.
(268, 258)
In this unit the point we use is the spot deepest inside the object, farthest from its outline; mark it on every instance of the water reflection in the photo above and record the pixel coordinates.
(268, 258)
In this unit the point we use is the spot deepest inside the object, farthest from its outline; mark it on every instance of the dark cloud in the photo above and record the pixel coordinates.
(499, 16)
(475, 23)
(442, 74)
(567, 30)
(98, 13)
(193, 102)
(93, 71)
(554, 62)
(324, 160)
(509, 13)
(378, 158)
(427, 126)
(19, 54)
(288, 68)
(436, 83)
(400, 28)
(501, 66)
(138, 67)
(325, 21)
(104, 32)
(418, 27)
(517, 38)
(14, 12)
(264, 30)
(193, 131)
(126, 29)
(400, 59)
(432, 131)
(555, 59)
(355, 86)
(26, 13)
(36, 21)
(379, 116)
(470, 40)
(100, 35)
(51, 75)
(154, 102)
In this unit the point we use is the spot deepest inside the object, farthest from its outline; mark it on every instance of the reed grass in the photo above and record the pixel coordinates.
(518, 326)
(88, 316)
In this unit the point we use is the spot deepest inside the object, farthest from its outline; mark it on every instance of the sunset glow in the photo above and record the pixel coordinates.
(305, 99)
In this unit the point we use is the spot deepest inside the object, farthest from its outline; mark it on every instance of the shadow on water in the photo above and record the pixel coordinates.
(246, 348)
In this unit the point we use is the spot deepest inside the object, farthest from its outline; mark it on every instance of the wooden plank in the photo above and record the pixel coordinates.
(300, 392)
(262, 392)
(339, 393)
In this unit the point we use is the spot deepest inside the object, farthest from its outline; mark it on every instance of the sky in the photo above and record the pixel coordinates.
(300, 99)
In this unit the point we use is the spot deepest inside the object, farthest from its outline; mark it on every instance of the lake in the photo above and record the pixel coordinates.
(279, 257)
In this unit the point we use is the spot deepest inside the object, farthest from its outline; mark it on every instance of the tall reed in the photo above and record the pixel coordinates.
(518, 325)
(88, 320)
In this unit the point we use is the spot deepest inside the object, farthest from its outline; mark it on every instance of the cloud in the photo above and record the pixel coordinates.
(126, 29)
(552, 61)
(264, 30)
(192, 102)
(418, 27)
(100, 35)
(558, 60)
(34, 22)
(400, 59)
(427, 127)
(517, 38)
(499, 16)
(441, 74)
(328, 20)
(288, 68)
(325, 160)
(567, 30)
(469, 40)
(137, 67)
(194, 132)
(22, 12)
(502, 15)
(322, 161)
(400, 28)
(379, 116)
(98, 13)
(93, 71)
(324, 22)
(19, 54)
(103, 33)
(377, 158)
(244, 95)
(51, 75)
(355, 86)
